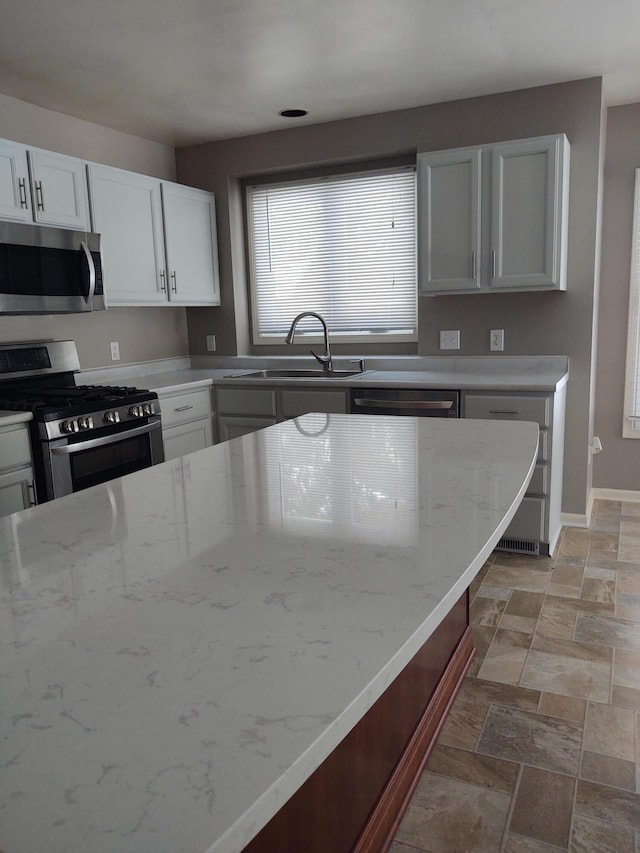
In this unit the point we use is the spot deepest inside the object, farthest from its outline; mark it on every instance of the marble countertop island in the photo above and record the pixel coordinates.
(182, 647)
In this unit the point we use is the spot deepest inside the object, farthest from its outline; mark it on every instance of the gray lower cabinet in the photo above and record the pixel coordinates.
(536, 525)
(187, 423)
(17, 488)
(243, 410)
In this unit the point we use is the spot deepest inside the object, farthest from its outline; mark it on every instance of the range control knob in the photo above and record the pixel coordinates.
(85, 422)
(112, 416)
(136, 411)
(147, 409)
(69, 426)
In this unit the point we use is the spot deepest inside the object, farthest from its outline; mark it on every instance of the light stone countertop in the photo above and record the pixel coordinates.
(182, 647)
(9, 418)
(502, 373)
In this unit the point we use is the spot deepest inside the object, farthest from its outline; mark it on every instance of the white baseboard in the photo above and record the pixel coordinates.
(574, 519)
(622, 495)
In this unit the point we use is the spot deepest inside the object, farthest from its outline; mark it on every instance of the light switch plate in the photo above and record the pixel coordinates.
(450, 339)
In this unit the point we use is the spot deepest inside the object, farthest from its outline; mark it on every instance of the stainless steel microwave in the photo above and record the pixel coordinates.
(49, 270)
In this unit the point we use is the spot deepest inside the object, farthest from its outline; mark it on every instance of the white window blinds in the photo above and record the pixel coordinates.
(343, 246)
(631, 423)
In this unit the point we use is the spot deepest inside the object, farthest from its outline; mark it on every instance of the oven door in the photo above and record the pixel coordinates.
(73, 464)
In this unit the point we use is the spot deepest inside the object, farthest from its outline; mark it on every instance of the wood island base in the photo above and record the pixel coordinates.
(354, 801)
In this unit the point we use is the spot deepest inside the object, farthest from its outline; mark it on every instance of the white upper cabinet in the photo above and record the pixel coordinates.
(449, 213)
(59, 187)
(494, 218)
(158, 239)
(191, 245)
(42, 186)
(126, 209)
(15, 194)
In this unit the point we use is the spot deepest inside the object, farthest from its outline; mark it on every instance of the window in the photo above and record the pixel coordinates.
(631, 423)
(343, 246)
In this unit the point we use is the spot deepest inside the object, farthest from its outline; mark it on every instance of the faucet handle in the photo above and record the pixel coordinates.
(359, 362)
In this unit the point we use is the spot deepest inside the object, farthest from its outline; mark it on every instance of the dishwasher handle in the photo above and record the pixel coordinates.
(373, 403)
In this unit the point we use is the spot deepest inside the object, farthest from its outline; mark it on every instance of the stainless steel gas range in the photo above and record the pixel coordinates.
(80, 435)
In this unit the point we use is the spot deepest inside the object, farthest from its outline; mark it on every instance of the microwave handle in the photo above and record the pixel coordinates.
(92, 274)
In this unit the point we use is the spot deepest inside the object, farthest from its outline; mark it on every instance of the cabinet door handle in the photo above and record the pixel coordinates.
(504, 412)
(31, 489)
(493, 263)
(183, 408)
(39, 196)
(163, 281)
(474, 265)
(22, 187)
(174, 286)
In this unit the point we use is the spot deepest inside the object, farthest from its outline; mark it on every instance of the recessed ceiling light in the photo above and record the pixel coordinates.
(293, 113)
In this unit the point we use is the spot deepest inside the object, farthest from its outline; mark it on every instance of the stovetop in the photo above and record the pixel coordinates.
(51, 402)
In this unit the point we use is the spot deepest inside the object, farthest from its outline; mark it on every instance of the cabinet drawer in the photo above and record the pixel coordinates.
(507, 408)
(246, 401)
(296, 403)
(539, 483)
(182, 408)
(528, 522)
(15, 451)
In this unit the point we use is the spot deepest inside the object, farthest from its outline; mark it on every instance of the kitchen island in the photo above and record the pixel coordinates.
(184, 647)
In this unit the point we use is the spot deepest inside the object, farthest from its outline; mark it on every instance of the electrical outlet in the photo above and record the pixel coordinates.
(450, 339)
(211, 343)
(496, 340)
(115, 351)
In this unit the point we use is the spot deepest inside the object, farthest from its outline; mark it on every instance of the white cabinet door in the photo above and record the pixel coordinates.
(59, 190)
(449, 222)
(17, 491)
(15, 195)
(191, 245)
(527, 224)
(187, 438)
(126, 209)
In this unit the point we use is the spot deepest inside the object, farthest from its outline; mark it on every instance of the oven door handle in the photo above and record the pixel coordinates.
(92, 275)
(403, 404)
(77, 447)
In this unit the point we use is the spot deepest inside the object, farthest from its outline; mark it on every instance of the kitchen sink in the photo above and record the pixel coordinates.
(295, 374)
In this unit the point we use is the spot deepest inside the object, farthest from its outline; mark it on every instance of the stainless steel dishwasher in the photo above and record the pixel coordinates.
(416, 402)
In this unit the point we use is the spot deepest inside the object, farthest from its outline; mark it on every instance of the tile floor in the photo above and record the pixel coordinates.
(541, 751)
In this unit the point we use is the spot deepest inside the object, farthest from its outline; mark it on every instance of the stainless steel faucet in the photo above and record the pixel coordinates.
(325, 360)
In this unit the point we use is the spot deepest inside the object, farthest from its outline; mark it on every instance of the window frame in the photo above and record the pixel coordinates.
(314, 336)
(631, 426)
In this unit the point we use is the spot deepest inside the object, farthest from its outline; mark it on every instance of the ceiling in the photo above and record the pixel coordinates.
(187, 71)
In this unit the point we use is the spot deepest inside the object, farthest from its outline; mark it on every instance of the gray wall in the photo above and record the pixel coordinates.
(618, 466)
(534, 324)
(143, 333)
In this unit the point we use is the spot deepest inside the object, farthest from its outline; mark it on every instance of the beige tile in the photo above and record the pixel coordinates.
(575, 543)
(626, 668)
(628, 581)
(506, 657)
(630, 509)
(604, 544)
(614, 772)
(571, 669)
(564, 707)
(486, 611)
(596, 836)
(525, 604)
(482, 770)
(566, 577)
(521, 844)
(517, 577)
(534, 739)
(627, 607)
(542, 809)
(597, 589)
(602, 573)
(499, 592)
(600, 802)
(522, 624)
(607, 631)
(625, 697)
(450, 815)
(482, 637)
(610, 731)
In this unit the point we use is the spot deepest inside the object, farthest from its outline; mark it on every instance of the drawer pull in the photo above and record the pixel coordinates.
(504, 412)
(183, 408)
